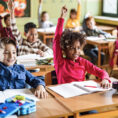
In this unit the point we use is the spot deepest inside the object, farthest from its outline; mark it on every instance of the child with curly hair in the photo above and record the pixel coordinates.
(73, 67)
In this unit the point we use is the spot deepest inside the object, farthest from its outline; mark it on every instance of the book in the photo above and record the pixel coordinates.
(77, 88)
(12, 92)
(32, 60)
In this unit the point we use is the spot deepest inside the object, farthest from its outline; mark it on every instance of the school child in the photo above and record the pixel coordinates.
(43, 17)
(114, 59)
(32, 45)
(90, 28)
(72, 67)
(14, 76)
(74, 20)
(6, 31)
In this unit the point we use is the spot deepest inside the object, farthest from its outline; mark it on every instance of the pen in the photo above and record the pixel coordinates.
(90, 86)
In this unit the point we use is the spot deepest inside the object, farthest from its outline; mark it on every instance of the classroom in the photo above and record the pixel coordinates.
(58, 58)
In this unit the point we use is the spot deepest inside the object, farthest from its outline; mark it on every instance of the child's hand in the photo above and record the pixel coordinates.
(78, 1)
(40, 92)
(64, 12)
(105, 83)
(40, 1)
(41, 53)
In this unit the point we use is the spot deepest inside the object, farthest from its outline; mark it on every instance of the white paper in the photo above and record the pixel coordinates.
(30, 59)
(76, 88)
(25, 92)
(2, 97)
(67, 90)
(48, 30)
(93, 38)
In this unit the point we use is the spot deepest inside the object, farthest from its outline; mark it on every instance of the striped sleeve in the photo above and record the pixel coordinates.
(47, 51)
(16, 33)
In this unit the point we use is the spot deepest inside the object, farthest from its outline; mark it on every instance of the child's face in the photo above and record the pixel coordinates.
(7, 22)
(9, 55)
(45, 17)
(73, 15)
(90, 24)
(74, 51)
(32, 35)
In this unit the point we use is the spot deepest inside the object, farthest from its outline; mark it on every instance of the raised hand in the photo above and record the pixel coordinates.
(64, 12)
(10, 5)
(11, 8)
(78, 1)
(40, 1)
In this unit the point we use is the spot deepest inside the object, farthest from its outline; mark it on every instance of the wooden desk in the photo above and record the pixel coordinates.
(46, 35)
(108, 29)
(101, 44)
(45, 70)
(49, 108)
(89, 102)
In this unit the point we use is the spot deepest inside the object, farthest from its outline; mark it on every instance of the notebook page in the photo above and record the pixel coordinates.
(67, 90)
(83, 85)
(2, 97)
(25, 92)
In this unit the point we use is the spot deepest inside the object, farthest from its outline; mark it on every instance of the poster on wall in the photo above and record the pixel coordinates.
(21, 7)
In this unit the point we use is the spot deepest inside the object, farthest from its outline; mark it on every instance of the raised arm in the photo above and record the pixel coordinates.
(16, 33)
(39, 11)
(78, 10)
(58, 57)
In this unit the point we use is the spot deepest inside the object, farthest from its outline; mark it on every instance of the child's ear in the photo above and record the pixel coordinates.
(25, 34)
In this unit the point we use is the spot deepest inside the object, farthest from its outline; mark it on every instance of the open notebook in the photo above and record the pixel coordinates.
(12, 92)
(77, 88)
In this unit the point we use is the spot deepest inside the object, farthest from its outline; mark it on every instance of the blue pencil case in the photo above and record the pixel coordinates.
(25, 106)
(7, 109)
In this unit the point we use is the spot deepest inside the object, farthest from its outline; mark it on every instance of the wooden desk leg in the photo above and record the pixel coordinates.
(44, 39)
(99, 56)
(76, 115)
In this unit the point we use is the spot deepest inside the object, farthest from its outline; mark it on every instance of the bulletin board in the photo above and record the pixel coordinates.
(22, 7)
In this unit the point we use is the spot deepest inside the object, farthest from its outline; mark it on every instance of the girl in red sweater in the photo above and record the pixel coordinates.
(73, 67)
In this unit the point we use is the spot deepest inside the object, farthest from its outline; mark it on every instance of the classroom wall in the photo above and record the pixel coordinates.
(53, 7)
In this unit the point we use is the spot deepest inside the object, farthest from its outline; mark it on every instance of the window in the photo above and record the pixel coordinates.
(110, 8)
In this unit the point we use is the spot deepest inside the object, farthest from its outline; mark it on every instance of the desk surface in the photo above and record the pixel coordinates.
(99, 42)
(88, 102)
(49, 108)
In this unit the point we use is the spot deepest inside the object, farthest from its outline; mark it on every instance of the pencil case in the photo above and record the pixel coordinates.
(7, 109)
(26, 105)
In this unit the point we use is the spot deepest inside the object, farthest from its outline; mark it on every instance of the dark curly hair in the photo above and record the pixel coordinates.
(69, 37)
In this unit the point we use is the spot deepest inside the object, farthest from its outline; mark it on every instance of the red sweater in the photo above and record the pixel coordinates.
(67, 70)
(5, 32)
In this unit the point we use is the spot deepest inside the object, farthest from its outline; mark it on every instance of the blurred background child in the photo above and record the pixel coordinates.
(90, 28)
(74, 20)
(5, 31)
(43, 17)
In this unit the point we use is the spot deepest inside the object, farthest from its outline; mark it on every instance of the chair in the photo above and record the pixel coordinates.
(113, 71)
